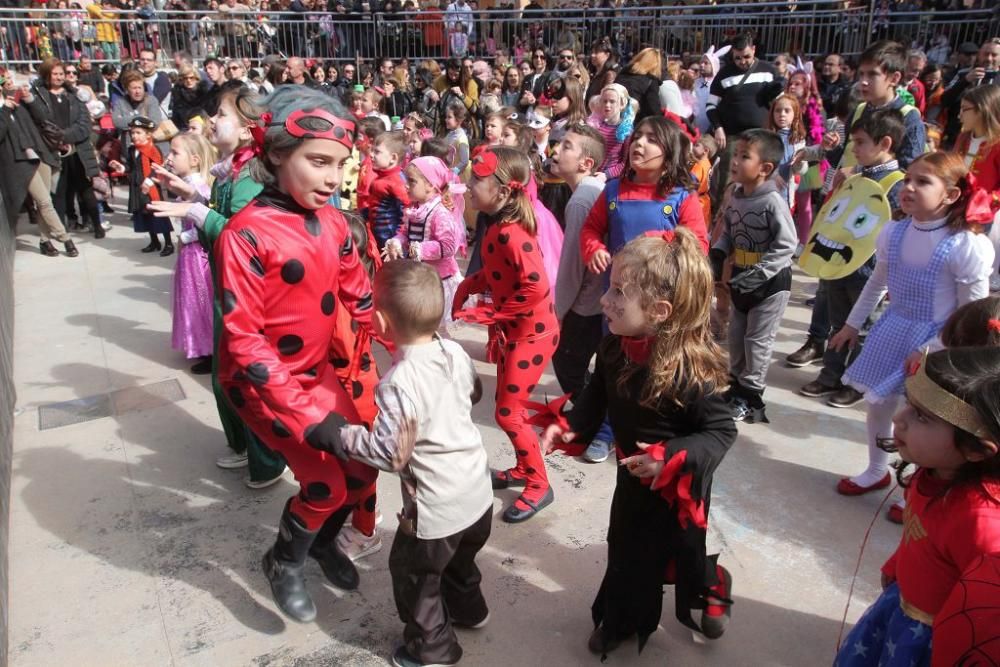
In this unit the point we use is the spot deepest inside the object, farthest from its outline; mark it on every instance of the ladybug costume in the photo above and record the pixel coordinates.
(284, 273)
(524, 336)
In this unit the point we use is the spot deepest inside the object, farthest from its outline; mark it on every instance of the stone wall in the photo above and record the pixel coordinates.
(7, 398)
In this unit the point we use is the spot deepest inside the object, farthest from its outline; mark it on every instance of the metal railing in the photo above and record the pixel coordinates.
(807, 27)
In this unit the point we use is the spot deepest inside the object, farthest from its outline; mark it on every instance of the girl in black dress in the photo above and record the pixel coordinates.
(660, 377)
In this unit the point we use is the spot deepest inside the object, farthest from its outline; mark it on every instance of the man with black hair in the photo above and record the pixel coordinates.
(985, 71)
(740, 97)
(831, 82)
(215, 73)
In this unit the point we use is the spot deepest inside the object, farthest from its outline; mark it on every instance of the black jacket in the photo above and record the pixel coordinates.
(18, 133)
(186, 102)
(645, 89)
(78, 133)
(740, 100)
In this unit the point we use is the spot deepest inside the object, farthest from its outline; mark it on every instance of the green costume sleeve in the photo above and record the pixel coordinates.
(229, 200)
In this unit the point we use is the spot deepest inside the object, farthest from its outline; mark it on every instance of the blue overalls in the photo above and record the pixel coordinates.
(631, 218)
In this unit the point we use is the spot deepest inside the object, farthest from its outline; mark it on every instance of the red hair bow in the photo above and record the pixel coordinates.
(666, 234)
(515, 186)
(993, 325)
(981, 205)
(258, 130)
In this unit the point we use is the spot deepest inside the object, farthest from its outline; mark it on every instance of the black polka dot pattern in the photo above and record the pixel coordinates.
(228, 302)
(289, 344)
(236, 397)
(328, 303)
(258, 374)
(340, 362)
(513, 388)
(539, 327)
(504, 412)
(366, 362)
(249, 236)
(354, 483)
(280, 430)
(370, 503)
(317, 491)
(504, 239)
(534, 277)
(523, 365)
(357, 389)
(292, 272)
(527, 247)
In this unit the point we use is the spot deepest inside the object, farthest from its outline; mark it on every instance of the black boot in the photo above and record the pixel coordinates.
(337, 567)
(283, 566)
(153, 246)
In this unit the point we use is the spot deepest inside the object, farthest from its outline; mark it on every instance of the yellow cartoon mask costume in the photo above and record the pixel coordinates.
(843, 235)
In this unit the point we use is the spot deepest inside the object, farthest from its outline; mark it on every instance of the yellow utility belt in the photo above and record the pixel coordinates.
(745, 259)
(914, 613)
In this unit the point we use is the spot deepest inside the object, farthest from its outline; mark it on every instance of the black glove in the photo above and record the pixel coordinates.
(326, 435)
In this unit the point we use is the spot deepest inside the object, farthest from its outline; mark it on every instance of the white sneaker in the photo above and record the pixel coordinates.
(264, 483)
(231, 461)
(355, 544)
(106, 226)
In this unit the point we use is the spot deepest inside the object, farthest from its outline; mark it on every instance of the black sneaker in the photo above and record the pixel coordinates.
(810, 353)
(202, 367)
(816, 389)
(847, 397)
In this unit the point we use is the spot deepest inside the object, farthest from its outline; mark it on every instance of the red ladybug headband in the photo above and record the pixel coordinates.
(485, 165)
(312, 124)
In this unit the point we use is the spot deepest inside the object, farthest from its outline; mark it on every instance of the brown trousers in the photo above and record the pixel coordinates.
(436, 583)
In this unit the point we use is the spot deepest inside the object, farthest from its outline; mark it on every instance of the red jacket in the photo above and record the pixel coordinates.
(284, 272)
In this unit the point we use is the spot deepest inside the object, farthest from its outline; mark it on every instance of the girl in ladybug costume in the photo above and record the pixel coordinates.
(287, 266)
(526, 331)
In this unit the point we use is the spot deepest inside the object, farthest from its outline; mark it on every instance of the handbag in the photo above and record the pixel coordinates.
(165, 131)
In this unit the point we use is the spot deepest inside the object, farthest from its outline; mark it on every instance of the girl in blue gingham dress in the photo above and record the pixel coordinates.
(930, 263)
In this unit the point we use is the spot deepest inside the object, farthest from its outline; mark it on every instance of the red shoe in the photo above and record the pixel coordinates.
(846, 487)
(895, 513)
(716, 616)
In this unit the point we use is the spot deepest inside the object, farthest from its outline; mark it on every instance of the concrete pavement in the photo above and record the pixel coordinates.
(129, 547)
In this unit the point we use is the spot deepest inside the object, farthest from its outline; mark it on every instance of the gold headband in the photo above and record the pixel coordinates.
(943, 404)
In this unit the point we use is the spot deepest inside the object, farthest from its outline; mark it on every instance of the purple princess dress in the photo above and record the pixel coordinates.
(192, 328)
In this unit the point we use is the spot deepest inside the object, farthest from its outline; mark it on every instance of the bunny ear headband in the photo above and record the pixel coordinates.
(715, 56)
(806, 68)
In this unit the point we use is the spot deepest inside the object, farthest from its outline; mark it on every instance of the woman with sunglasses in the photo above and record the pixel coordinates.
(188, 97)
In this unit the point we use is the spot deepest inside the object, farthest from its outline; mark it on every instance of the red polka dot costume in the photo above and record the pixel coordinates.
(284, 273)
(525, 335)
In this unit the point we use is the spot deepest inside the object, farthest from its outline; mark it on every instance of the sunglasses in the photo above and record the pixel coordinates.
(539, 56)
(555, 94)
(71, 72)
(566, 56)
(235, 68)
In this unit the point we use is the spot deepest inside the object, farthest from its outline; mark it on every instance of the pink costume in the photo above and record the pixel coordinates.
(548, 233)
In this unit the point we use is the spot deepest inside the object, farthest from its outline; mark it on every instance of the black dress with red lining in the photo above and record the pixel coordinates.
(657, 527)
